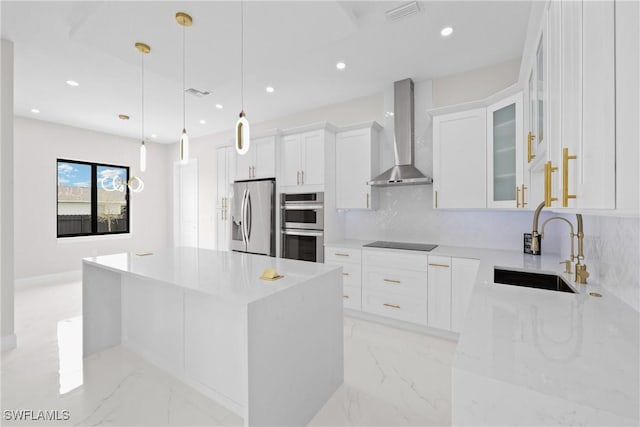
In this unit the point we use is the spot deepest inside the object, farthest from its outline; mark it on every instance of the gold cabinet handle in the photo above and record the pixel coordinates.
(298, 177)
(436, 196)
(524, 187)
(565, 177)
(391, 305)
(345, 274)
(367, 200)
(530, 155)
(345, 296)
(340, 254)
(392, 281)
(302, 177)
(548, 170)
(517, 196)
(439, 265)
(253, 171)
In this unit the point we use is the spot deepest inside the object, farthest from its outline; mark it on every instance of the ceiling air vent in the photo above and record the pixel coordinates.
(402, 11)
(197, 93)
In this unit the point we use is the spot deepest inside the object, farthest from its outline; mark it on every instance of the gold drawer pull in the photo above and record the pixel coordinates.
(530, 155)
(345, 296)
(391, 281)
(345, 274)
(565, 177)
(391, 305)
(438, 265)
(549, 169)
(340, 254)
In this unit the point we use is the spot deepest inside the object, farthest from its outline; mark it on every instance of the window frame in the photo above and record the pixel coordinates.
(94, 199)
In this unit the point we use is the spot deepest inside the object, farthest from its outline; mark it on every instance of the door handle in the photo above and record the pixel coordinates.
(565, 177)
(392, 281)
(391, 305)
(249, 215)
(244, 215)
(302, 174)
(298, 177)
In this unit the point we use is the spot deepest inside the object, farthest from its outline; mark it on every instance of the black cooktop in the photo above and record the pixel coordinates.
(402, 245)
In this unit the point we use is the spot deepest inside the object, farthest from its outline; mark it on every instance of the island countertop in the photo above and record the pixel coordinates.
(231, 275)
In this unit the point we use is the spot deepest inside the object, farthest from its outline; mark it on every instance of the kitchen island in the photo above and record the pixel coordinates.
(270, 351)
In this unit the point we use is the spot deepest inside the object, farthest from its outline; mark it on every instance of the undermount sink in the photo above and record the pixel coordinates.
(549, 282)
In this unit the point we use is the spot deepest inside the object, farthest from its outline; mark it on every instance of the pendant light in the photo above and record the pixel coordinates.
(186, 21)
(143, 49)
(242, 125)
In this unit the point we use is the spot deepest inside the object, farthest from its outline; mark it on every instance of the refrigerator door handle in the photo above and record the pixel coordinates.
(243, 216)
(249, 216)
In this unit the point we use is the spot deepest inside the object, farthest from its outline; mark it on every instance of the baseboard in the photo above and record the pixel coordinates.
(9, 342)
(48, 279)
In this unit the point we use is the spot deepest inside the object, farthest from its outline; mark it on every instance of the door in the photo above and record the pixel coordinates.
(352, 191)
(259, 215)
(238, 241)
(186, 204)
(265, 158)
(459, 160)
(463, 277)
(291, 159)
(244, 162)
(439, 292)
(313, 158)
(504, 157)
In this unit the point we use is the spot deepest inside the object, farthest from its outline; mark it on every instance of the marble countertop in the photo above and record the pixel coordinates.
(575, 347)
(231, 275)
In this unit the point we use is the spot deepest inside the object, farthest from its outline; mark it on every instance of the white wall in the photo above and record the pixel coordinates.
(6, 196)
(38, 144)
(476, 84)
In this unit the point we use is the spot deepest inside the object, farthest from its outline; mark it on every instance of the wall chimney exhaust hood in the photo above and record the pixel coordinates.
(404, 172)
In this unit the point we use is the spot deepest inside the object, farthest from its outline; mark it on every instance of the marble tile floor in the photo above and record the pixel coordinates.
(392, 377)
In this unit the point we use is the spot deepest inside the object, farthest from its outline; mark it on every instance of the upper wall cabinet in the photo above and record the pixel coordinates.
(459, 159)
(259, 162)
(588, 157)
(225, 162)
(302, 157)
(356, 163)
(505, 187)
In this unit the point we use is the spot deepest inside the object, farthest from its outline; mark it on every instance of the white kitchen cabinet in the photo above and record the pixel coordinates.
(439, 295)
(463, 277)
(259, 162)
(394, 284)
(588, 159)
(350, 259)
(356, 163)
(225, 165)
(504, 153)
(302, 157)
(460, 159)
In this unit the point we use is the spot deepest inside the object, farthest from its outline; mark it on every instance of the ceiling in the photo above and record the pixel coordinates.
(290, 45)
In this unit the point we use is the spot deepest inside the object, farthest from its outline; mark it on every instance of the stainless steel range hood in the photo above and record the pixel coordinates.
(404, 172)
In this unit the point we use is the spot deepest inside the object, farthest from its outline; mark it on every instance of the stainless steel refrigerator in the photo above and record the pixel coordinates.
(253, 217)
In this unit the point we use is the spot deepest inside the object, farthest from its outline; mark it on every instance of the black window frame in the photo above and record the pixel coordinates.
(94, 199)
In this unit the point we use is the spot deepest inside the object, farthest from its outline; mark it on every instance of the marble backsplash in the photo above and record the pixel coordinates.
(612, 254)
(405, 213)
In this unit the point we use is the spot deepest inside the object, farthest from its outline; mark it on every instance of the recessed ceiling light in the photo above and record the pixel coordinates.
(341, 65)
(203, 122)
(446, 31)
(35, 111)
(123, 117)
(153, 135)
(219, 106)
(270, 89)
(73, 83)
(389, 114)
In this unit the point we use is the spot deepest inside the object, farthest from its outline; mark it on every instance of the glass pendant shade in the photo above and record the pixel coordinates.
(143, 157)
(242, 135)
(184, 147)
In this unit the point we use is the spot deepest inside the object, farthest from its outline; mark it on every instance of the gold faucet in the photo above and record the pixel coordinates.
(581, 269)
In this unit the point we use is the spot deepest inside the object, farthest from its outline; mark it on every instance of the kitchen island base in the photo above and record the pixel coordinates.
(274, 360)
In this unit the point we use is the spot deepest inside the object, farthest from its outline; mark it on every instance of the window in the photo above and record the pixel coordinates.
(92, 199)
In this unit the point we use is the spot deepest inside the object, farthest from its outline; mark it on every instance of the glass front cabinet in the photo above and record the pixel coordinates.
(505, 183)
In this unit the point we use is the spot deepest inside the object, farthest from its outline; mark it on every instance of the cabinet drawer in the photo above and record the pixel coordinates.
(351, 297)
(395, 260)
(340, 255)
(396, 282)
(351, 273)
(398, 307)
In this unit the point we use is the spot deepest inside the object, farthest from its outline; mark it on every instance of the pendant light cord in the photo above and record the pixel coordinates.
(241, 55)
(183, 78)
(142, 109)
